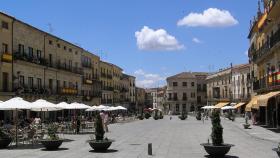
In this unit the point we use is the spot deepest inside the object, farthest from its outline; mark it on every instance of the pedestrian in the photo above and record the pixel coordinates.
(106, 122)
(78, 125)
(170, 114)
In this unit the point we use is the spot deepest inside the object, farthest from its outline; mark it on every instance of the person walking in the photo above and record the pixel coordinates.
(170, 114)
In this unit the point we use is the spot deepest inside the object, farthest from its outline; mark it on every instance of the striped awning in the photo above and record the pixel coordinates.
(220, 105)
(238, 105)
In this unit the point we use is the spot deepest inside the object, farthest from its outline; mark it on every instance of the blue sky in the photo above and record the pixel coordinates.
(108, 28)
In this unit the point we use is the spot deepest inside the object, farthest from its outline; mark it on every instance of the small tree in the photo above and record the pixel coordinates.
(99, 130)
(52, 132)
(217, 129)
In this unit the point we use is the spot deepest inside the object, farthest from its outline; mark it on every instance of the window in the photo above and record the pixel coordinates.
(30, 82)
(64, 84)
(21, 80)
(39, 54)
(184, 96)
(177, 107)
(50, 59)
(50, 42)
(175, 96)
(64, 48)
(39, 83)
(204, 87)
(58, 45)
(199, 87)
(184, 84)
(76, 52)
(5, 25)
(30, 51)
(4, 48)
(70, 64)
(192, 95)
(5, 81)
(21, 48)
(50, 84)
(184, 107)
(192, 84)
(175, 84)
(70, 50)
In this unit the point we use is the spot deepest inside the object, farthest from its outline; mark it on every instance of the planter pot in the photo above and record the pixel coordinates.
(141, 118)
(100, 145)
(246, 126)
(277, 151)
(5, 142)
(198, 118)
(51, 144)
(217, 151)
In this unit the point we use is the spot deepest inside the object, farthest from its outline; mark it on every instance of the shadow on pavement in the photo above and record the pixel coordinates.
(226, 156)
(107, 151)
(24, 146)
(59, 149)
(68, 140)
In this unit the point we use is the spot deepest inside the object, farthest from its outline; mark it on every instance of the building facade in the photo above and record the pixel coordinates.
(230, 85)
(36, 64)
(264, 58)
(186, 91)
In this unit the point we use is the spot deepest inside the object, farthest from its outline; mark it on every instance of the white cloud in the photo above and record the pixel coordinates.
(156, 40)
(211, 17)
(196, 40)
(148, 80)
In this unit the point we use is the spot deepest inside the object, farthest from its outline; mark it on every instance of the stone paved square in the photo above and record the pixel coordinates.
(170, 138)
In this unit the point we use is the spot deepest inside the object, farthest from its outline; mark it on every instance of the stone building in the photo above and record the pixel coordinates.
(140, 99)
(36, 64)
(186, 91)
(264, 58)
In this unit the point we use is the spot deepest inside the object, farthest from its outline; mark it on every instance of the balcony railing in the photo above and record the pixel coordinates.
(86, 65)
(108, 88)
(256, 55)
(267, 83)
(7, 57)
(31, 59)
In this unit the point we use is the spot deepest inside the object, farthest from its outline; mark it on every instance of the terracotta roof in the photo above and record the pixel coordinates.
(188, 75)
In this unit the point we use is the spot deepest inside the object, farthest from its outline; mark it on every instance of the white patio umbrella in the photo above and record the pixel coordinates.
(15, 104)
(102, 107)
(121, 108)
(43, 105)
(76, 105)
(227, 108)
(92, 108)
(208, 107)
(63, 105)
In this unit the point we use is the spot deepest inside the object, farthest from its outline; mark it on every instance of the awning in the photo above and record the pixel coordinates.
(220, 105)
(238, 105)
(263, 99)
(252, 102)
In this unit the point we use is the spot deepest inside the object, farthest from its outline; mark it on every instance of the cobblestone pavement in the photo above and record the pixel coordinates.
(170, 138)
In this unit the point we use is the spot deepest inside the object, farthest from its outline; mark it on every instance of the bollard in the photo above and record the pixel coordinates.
(150, 149)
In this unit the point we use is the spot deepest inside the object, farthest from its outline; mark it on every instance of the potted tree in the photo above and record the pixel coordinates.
(160, 115)
(141, 116)
(5, 138)
(147, 115)
(52, 141)
(156, 115)
(198, 115)
(218, 148)
(99, 143)
(183, 116)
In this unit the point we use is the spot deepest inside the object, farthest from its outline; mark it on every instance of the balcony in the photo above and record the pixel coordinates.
(31, 59)
(103, 75)
(86, 65)
(108, 88)
(7, 57)
(124, 90)
(65, 67)
(87, 81)
(68, 91)
(267, 83)
(265, 50)
(109, 76)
